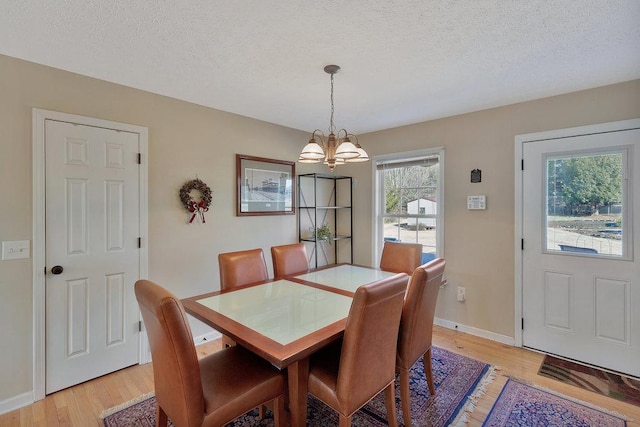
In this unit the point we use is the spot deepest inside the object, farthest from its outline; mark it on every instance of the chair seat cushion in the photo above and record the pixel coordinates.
(229, 379)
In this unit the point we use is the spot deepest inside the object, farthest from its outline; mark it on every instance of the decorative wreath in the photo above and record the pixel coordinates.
(196, 207)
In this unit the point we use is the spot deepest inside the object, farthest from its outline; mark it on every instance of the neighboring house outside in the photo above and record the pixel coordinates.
(423, 207)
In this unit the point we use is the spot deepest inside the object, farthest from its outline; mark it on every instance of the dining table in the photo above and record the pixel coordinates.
(285, 321)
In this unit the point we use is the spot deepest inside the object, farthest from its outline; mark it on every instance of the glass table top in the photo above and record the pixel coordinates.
(346, 277)
(282, 310)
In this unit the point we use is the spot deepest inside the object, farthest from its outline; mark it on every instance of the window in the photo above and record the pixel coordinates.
(585, 203)
(408, 188)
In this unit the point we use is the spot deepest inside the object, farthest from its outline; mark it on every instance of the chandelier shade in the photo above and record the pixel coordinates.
(312, 151)
(334, 149)
(362, 155)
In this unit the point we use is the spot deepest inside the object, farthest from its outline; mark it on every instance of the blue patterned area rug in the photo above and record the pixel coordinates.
(521, 404)
(459, 380)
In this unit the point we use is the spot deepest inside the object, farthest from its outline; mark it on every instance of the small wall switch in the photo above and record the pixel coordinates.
(476, 202)
(462, 293)
(16, 249)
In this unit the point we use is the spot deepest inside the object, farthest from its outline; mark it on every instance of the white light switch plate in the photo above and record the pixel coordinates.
(476, 202)
(16, 249)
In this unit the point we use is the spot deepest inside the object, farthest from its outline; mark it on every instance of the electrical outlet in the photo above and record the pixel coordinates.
(462, 294)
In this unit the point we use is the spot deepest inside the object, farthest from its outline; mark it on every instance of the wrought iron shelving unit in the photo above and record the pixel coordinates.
(325, 199)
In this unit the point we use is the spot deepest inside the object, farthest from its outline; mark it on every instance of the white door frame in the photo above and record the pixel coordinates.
(38, 222)
(541, 136)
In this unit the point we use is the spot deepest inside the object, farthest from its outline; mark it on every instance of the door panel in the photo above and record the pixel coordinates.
(612, 310)
(558, 297)
(580, 266)
(92, 230)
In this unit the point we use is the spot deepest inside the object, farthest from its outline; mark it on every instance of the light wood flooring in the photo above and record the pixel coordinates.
(81, 405)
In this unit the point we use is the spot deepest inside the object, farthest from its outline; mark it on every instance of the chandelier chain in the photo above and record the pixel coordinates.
(332, 128)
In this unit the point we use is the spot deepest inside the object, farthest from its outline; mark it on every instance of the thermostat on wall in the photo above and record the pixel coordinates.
(476, 202)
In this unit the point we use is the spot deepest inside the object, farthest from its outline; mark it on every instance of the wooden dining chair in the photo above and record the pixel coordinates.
(398, 257)
(289, 259)
(416, 328)
(211, 391)
(350, 372)
(241, 268)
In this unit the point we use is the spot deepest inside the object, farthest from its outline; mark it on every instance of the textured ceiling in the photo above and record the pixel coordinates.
(402, 61)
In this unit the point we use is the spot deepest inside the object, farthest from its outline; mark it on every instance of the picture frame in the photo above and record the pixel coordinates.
(265, 186)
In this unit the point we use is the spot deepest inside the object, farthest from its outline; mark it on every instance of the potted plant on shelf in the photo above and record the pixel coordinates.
(323, 233)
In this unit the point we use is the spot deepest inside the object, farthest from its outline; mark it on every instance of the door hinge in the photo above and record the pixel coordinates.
(139, 325)
(522, 244)
(139, 242)
(522, 323)
(521, 164)
(139, 158)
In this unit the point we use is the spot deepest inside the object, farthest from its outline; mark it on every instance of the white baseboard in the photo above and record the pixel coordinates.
(504, 339)
(209, 336)
(16, 402)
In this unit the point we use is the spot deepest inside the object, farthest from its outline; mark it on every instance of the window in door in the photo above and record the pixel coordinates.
(409, 200)
(585, 203)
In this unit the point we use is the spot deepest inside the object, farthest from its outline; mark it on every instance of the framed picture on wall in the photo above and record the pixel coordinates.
(265, 186)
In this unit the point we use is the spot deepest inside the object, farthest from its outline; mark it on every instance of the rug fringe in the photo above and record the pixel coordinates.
(463, 416)
(125, 405)
(572, 399)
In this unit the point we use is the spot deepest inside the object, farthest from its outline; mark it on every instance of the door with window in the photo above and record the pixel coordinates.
(580, 266)
(409, 200)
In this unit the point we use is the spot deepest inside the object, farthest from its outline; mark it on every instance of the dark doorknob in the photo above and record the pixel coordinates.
(57, 269)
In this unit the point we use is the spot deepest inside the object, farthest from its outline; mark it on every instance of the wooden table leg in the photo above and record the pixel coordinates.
(298, 373)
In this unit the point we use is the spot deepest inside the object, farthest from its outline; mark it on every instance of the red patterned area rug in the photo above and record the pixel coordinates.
(590, 378)
(459, 381)
(520, 404)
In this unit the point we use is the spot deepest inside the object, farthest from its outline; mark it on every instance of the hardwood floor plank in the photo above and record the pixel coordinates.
(50, 410)
(80, 406)
(38, 413)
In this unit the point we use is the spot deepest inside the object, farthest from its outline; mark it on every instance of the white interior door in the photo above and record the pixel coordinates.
(580, 270)
(92, 231)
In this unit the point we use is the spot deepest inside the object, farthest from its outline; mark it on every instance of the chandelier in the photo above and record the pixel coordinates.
(337, 148)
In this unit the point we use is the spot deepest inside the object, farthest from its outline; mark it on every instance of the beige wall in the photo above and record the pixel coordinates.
(185, 139)
(479, 245)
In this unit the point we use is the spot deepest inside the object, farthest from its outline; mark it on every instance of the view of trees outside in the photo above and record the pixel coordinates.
(410, 203)
(584, 203)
